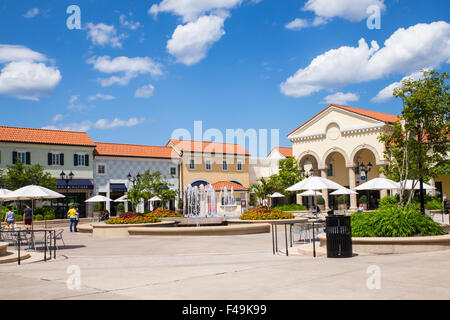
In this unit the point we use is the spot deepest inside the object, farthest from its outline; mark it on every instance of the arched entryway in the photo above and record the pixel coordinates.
(335, 169)
(365, 161)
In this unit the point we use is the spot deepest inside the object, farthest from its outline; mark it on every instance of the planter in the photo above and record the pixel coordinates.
(392, 245)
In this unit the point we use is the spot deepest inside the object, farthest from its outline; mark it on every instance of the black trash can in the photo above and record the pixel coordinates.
(339, 236)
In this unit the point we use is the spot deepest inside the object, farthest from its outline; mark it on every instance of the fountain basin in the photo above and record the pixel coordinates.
(200, 231)
(194, 222)
(103, 230)
(295, 220)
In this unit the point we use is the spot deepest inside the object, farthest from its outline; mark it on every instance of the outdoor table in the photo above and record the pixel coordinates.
(32, 237)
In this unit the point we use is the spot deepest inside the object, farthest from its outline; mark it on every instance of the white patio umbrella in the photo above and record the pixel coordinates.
(409, 185)
(315, 183)
(276, 195)
(311, 193)
(99, 198)
(379, 184)
(343, 191)
(122, 199)
(3, 193)
(33, 192)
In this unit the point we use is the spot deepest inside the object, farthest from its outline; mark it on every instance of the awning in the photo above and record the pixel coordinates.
(118, 187)
(76, 184)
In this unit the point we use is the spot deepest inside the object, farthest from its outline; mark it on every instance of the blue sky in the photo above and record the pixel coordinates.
(133, 74)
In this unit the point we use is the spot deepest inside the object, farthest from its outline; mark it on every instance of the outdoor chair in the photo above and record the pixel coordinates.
(302, 231)
(59, 236)
(40, 239)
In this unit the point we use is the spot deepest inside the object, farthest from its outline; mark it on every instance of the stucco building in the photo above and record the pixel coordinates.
(57, 151)
(113, 162)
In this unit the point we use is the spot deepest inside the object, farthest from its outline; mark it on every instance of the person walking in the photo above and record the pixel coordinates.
(72, 215)
(10, 218)
(28, 217)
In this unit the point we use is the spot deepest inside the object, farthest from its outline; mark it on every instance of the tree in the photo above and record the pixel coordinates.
(416, 146)
(155, 184)
(262, 190)
(20, 175)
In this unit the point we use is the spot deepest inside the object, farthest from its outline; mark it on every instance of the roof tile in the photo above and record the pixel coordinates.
(132, 150)
(211, 147)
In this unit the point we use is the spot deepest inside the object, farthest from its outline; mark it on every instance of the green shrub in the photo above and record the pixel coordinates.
(393, 222)
(49, 216)
(434, 204)
(98, 206)
(180, 203)
(121, 207)
(388, 202)
(320, 200)
(342, 199)
(19, 217)
(38, 217)
(291, 207)
(363, 199)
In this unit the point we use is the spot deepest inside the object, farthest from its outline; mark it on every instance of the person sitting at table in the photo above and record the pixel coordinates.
(361, 208)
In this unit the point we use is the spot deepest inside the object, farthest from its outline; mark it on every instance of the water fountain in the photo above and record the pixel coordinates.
(199, 202)
(228, 200)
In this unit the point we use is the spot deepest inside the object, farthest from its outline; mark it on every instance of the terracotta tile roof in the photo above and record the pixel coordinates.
(131, 150)
(206, 146)
(380, 116)
(285, 151)
(219, 185)
(45, 136)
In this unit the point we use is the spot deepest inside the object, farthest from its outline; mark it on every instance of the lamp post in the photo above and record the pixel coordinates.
(67, 178)
(133, 180)
(366, 169)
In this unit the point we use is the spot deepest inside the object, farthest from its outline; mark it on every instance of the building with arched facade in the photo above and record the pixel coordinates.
(337, 143)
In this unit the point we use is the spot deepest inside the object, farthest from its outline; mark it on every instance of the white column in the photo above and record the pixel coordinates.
(108, 194)
(352, 184)
(433, 184)
(383, 193)
(323, 173)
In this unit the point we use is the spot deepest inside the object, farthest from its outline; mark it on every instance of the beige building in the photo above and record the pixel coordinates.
(265, 167)
(341, 143)
(219, 164)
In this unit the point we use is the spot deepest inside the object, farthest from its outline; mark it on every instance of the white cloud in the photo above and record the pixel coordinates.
(28, 80)
(132, 25)
(191, 10)
(352, 10)
(10, 53)
(341, 98)
(99, 124)
(57, 117)
(103, 34)
(102, 97)
(405, 51)
(387, 92)
(31, 13)
(298, 24)
(129, 67)
(191, 42)
(76, 106)
(145, 91)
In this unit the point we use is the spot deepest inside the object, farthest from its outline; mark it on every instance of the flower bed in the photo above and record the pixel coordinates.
(134, 219)
(265, 213)
(165, 213)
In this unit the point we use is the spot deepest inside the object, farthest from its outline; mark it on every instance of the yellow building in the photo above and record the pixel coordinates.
(219, 164)
(339, 141)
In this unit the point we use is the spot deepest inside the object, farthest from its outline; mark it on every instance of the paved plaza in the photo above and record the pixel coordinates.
(227, 267)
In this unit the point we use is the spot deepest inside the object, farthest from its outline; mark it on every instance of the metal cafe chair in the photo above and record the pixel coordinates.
(59, 236)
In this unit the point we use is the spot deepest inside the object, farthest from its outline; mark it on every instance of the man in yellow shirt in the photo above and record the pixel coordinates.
(72, 215)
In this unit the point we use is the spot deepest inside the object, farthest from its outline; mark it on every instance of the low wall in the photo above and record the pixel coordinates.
(103, 230)
(55, 222)
(200, 231)
(3, 249)
(236, 221)
(390, 245)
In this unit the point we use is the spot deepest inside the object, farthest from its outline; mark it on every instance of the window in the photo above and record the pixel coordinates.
(101, 169)
(55, 158)
(330, 170)
(173, 171)
(191, 164)
(21, 156)
(239, 165)
(224, 165)
(81, 160)
(208, 164)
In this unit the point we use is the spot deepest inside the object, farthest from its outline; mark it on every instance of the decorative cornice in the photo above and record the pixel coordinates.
(349, 131)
